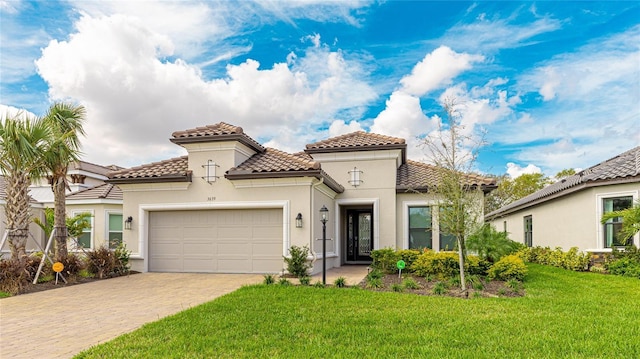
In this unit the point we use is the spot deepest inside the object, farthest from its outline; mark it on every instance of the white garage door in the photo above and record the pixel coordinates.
(223, 241)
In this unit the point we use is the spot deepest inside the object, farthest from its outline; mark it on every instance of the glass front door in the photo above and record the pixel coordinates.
(359, 235)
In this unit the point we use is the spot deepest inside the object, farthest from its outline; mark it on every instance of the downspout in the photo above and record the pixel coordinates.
(313, 253)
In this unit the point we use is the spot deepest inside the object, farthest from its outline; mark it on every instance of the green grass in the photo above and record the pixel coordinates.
(563, 315)
(4, 294)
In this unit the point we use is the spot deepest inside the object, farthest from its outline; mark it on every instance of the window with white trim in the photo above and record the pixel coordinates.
(612, 227)
(114, 229)
(528, 231)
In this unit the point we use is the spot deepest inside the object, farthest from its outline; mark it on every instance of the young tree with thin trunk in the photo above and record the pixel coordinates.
(458, 191)
(65, 121)
(23, 142)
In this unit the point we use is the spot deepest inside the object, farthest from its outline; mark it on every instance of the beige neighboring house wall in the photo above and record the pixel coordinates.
(567, 213)
(215, 209)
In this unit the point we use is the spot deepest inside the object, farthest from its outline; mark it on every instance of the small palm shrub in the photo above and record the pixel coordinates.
(509, 267)
(490, 244)
(397, 287)
(340, 282)
(269, 279)
(318, 284)
(297, 263)
(284, 282)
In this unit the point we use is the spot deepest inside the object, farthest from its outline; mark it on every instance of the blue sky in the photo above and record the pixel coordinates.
(552, 84)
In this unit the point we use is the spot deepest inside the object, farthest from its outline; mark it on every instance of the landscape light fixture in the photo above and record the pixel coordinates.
(324, 219)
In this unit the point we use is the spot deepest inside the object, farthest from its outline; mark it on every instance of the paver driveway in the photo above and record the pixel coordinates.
(62, 322)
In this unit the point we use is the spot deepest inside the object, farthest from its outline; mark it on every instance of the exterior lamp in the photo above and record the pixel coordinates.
(127, 222)
(324, 219)
(299, 220)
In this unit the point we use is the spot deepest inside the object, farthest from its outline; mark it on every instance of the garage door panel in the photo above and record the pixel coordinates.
(267, 250)
(231, 241)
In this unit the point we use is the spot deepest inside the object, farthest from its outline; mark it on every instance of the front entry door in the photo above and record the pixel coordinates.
(359, 235)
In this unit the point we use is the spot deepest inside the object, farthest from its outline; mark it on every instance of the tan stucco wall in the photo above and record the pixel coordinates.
(569, 221)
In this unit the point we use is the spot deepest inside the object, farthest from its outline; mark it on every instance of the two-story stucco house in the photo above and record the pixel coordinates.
(232, 205)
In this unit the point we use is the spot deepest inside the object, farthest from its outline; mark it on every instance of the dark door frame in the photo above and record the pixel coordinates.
(352, 236)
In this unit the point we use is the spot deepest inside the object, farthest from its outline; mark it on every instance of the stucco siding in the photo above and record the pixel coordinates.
(569, 221)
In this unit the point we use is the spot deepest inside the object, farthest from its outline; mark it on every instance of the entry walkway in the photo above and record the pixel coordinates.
(62, 322)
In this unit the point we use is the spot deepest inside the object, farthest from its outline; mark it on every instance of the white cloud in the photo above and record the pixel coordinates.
(437, 69)
(12, 112)
(339, 127)
(491, 35)
(515, 171)
(135, 100)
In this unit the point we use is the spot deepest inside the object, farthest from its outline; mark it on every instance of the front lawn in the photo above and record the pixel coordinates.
(564, 314)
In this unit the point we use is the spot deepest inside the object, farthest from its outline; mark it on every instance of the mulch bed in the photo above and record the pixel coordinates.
(492, 288)
(74, 280)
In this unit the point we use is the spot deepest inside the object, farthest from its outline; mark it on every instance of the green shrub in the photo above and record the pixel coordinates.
(572, 260)
(297, 264)
(408, 256)
(306, 280)
(490, 244)
(318, 284)
(122, 259)
(284, 282)
(509, 267)
(474, 265)
(376, 273)
(340, 282)
(626, 267)
(385, 260)
(397, 287)
(440, 264)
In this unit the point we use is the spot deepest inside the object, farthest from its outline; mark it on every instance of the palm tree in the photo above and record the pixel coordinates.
(23, 141)
(65, 122)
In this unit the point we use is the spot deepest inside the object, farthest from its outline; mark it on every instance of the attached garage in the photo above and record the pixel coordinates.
(216, 240)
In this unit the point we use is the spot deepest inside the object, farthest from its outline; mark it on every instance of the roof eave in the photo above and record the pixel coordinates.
(319, 174)
(579, 187)
(156, 179)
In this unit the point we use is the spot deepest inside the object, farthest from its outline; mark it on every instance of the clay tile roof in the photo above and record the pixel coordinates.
(356, 141)
(619, 169)
(274, 163)
(103, 191)
(420, 176)
(219, 132)
(273, 160)
(172, 170)
(94, 168)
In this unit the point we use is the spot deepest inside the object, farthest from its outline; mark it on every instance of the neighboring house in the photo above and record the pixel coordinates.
(232, 205)
(87, 192)
(567, 213)
(104, 202)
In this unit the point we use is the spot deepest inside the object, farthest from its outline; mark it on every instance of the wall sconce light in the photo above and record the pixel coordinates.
(299, 220)
(355, 180)
(127, 222)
